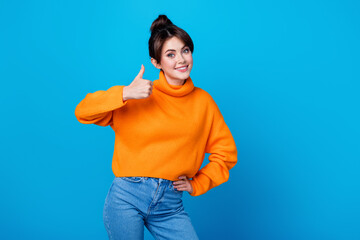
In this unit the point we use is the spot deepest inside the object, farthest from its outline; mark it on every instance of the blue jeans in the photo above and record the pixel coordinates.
(133, 202)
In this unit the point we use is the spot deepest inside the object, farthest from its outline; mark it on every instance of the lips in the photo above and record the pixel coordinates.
(182, 69)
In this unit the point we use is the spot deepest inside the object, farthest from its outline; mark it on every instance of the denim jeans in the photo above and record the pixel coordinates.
(135, 202)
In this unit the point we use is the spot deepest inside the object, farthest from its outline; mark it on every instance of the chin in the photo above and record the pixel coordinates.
(184, 75)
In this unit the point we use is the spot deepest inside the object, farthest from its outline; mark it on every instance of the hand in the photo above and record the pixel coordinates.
(183, 184)
(139, 87)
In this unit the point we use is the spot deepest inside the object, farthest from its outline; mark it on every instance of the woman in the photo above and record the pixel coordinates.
(162, 131)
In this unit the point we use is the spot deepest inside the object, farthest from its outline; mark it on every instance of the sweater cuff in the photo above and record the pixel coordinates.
(193, 187)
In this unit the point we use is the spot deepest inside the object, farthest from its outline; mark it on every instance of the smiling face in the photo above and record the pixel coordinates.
(176, 61)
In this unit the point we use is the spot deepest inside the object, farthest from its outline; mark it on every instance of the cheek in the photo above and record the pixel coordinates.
(168, 64)
(189, 59)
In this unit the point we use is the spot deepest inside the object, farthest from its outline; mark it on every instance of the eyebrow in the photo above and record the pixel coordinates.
(174, 49)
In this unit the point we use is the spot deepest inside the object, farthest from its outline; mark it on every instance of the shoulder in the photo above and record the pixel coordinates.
(208, 103)
(204, 95)
(201, 93)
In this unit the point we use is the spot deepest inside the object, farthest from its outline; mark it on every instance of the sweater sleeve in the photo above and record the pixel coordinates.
(98, 107)
(223, 156)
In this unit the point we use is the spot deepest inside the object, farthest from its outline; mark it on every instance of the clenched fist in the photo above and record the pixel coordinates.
(139, 87)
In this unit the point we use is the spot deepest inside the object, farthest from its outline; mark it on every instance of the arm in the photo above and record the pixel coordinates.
(98, 107)
(223, 156)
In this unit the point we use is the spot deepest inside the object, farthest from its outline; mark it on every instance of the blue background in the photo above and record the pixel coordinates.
(285, 75)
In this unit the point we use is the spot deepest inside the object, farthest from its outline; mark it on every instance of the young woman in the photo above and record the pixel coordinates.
(162, 131)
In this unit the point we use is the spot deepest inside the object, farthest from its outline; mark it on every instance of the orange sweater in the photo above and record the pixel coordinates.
(165, 135)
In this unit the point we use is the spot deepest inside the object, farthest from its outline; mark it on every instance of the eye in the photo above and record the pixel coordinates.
(187, 50)
(170, 55)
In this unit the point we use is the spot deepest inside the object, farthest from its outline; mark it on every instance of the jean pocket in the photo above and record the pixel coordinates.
(132, 179)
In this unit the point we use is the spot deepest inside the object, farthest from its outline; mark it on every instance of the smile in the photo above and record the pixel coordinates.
(182, 69)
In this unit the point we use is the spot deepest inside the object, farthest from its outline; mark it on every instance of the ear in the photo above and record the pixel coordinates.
(155, 63)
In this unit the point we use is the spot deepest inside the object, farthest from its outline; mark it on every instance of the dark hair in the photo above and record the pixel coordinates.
(161, 30)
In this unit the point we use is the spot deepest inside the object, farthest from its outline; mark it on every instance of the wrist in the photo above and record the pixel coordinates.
(124, 95)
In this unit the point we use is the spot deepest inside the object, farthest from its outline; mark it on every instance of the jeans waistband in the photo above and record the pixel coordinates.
(159, 180)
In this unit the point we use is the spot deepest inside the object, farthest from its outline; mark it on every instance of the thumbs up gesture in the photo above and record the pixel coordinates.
(139, 87)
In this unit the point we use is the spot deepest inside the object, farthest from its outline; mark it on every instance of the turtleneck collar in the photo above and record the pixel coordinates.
(173, 90)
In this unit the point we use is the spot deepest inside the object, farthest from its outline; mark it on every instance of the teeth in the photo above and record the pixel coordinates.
(182, 68)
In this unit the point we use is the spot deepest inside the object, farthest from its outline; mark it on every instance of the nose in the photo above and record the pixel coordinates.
(181, 58)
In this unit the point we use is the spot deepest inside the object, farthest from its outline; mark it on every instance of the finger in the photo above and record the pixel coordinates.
(181, 188)
(146, 80)
(149, 81)
(182, 177)
(141, 73)
(179, 184)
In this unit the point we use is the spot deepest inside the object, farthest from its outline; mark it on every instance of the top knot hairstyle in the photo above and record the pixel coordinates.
(161, 30)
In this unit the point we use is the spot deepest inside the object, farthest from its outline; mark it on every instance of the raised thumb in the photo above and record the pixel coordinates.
(141, 73)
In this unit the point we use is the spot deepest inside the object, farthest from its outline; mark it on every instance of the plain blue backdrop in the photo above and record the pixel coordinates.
(285, 75)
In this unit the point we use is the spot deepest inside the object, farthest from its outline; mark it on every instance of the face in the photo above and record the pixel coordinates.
(176, 61)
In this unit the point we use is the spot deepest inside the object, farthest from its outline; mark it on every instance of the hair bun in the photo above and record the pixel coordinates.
(161, 22)
(163, 29)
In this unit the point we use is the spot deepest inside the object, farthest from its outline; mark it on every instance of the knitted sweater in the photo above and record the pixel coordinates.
(165, 135)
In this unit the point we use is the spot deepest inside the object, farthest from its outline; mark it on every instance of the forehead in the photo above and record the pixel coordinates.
(173, 43)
